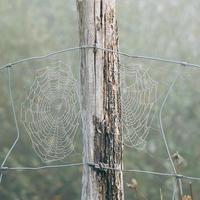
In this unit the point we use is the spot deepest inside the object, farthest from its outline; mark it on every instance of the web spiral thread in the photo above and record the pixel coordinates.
(139, 94)
(51, 113)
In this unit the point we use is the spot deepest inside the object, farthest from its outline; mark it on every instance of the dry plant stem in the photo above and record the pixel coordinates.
(179, 184)
(161, 194)
(179, 191)
(141, 196)
(191, 191)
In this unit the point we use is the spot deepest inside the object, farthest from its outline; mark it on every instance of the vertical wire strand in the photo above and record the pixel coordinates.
(164, 135)
(161, 124)
(174, 192)
(15, 120)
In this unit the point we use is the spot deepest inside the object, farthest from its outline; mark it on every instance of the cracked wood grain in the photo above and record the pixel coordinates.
(101, 106)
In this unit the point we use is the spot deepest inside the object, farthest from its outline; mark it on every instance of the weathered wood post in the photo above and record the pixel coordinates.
(101, 108)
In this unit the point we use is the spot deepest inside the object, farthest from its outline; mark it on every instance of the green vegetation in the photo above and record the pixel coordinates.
(168, 29)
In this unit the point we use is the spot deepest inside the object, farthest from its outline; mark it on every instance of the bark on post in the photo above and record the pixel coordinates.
(101, 108)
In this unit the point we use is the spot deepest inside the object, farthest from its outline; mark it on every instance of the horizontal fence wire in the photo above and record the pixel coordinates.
(182, 63)
(43, 57)
(98, 167)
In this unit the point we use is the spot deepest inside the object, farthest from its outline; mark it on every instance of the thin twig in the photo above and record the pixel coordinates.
(180, 176)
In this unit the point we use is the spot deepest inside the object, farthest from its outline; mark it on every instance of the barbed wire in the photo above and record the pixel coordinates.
(182, 63)
(43, 57)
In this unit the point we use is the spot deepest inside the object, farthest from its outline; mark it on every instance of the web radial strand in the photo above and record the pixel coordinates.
(51, 113)
(139, 94)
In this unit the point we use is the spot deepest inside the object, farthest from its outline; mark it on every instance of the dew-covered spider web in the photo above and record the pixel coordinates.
(139, 94)
(51, 113)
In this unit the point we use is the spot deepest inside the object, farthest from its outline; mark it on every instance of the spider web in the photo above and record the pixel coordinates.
(139, 94)
(50, 113)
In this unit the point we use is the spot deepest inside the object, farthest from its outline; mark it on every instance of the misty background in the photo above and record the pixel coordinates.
(166, 29)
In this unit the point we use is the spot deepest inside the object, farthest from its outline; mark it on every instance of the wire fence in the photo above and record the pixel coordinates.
(100, 166)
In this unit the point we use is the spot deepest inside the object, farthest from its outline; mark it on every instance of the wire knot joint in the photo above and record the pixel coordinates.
(179, 176)
(3, 169)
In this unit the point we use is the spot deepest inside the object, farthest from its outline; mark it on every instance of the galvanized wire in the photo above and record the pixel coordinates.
(182, 63)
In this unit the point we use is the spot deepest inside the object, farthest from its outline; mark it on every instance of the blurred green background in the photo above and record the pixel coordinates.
(165, 28)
